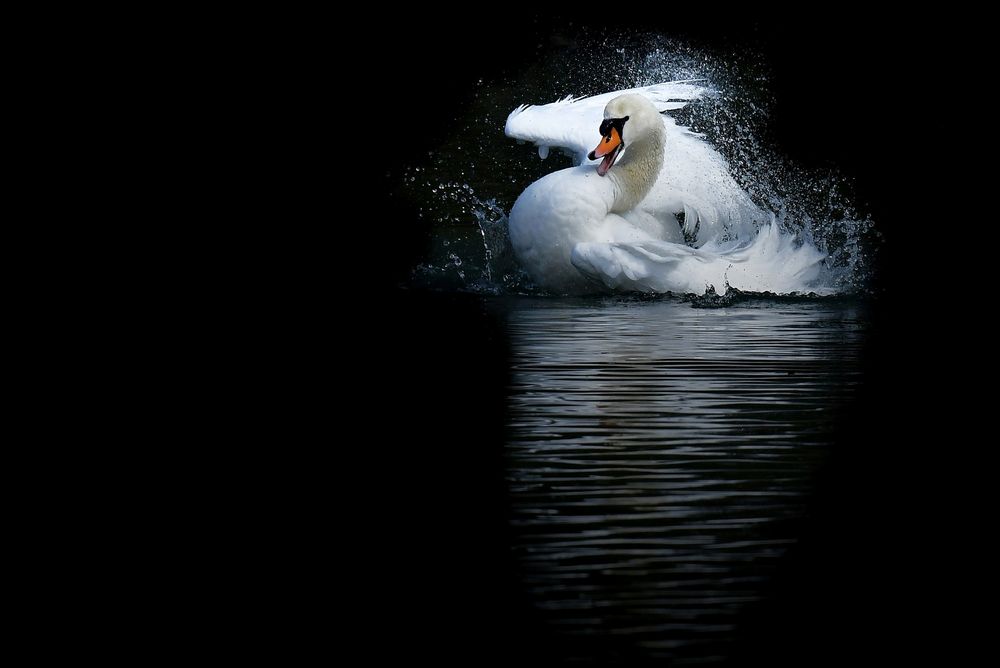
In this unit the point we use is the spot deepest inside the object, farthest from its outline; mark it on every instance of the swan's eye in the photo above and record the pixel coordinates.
(609, 123)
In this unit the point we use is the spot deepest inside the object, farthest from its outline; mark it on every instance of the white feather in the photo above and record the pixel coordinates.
(571, 123)
(770, 262)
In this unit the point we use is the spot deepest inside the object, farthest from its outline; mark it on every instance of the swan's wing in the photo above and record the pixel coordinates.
(698, 182)
(773, 262)
(571, 123)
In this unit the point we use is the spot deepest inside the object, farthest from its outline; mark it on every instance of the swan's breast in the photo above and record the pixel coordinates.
(552, 215)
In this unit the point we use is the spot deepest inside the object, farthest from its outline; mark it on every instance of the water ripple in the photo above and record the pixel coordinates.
(656, 451)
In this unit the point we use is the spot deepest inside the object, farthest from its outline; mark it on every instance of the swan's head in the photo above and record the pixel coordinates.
(627, 118)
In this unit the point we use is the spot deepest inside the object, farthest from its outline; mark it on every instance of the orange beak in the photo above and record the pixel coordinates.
(608, 144)
(609, 149)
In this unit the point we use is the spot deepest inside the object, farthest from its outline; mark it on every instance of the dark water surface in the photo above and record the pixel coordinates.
(658, 456)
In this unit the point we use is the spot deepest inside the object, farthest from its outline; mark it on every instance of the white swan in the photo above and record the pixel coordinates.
(618, 225)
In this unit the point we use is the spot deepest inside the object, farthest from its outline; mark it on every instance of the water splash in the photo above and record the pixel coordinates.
(471, 182)
(491, 266)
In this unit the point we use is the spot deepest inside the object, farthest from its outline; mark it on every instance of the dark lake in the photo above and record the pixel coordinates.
(611, 480)
(656, 455)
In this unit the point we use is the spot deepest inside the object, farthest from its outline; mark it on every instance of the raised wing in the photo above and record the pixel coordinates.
(571, 124)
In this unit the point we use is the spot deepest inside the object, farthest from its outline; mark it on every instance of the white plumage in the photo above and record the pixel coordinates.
(573, 229)
(571, 123)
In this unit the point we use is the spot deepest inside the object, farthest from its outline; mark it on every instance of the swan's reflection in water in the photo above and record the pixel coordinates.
(656, 452)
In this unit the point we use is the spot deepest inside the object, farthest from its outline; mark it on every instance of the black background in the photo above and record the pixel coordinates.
(882, 565)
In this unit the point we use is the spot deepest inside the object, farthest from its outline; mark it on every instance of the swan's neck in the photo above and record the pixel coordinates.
(638, 170)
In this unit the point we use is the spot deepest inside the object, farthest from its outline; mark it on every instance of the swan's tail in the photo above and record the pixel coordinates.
(772, 262)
